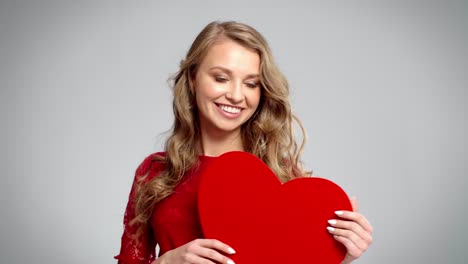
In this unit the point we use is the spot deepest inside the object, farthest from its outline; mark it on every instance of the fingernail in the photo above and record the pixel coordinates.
(330, 229)
(339, 212)
(230, 262)
(231, 251)
(332, 222)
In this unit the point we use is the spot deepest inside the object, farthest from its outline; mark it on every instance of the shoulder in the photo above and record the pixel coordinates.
(151, 166)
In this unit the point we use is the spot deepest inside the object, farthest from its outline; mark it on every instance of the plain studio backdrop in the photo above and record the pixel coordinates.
(381, 87)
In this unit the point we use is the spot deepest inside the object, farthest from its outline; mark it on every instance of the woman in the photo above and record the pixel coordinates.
(228, 96)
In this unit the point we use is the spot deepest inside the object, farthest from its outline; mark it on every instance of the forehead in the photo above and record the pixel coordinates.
(233, 56)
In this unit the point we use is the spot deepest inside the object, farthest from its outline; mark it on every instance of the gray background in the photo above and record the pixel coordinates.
(381, 87)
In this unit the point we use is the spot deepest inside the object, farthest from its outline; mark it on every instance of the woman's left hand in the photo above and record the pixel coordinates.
(352, 230)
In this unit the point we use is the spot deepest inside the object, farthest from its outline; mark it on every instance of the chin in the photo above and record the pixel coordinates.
(227, 128)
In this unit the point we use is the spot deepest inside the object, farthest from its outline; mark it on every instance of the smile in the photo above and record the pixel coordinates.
(230, 109)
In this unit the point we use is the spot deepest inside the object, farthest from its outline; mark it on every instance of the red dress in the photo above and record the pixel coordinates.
(174, 221)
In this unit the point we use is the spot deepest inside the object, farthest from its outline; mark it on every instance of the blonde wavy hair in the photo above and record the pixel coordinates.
(268, 134)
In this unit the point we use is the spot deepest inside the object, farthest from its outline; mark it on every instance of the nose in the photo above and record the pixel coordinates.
(235, 93)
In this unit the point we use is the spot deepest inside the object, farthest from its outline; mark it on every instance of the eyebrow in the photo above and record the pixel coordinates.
(228, 71)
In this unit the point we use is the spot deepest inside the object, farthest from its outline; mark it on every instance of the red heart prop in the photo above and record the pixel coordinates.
(243, 204)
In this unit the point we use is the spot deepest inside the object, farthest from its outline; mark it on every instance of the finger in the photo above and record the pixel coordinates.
(351, 248)
(361, 237)
(356, 217)
(193, 258)
(352, 226)
(214, 255)
(350, 235)
(211, 248)
(354, 204)
(216, 244)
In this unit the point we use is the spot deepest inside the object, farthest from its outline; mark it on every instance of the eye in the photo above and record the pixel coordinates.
(252, 84)
(221, 79)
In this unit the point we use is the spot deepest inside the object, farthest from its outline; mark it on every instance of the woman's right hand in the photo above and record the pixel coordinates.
(198, 251)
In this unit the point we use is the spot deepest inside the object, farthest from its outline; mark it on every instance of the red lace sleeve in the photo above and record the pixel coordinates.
(144, 250)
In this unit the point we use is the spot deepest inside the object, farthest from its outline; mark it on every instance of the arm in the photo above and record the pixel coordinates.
(142, 250)
(139, 250)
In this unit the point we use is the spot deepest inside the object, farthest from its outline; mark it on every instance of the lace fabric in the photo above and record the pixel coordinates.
(141, 251)
(174, 221)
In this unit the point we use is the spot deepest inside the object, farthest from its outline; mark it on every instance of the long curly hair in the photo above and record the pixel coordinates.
(268, 134)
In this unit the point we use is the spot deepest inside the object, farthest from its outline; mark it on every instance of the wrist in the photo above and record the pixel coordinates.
(347, 260)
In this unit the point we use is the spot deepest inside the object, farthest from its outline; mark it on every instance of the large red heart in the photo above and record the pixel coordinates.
(243, 204)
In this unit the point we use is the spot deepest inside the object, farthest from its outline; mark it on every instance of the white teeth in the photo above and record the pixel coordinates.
(229, 109)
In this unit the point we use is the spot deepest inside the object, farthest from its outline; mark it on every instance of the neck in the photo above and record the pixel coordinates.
(215, 143)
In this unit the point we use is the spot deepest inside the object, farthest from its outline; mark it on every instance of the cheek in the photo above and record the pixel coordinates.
(199, 90)
(197, 100)
(206, 89)
(205, 94)
(255, 97)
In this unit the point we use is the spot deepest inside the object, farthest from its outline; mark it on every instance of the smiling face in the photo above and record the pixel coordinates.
(227, 88)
